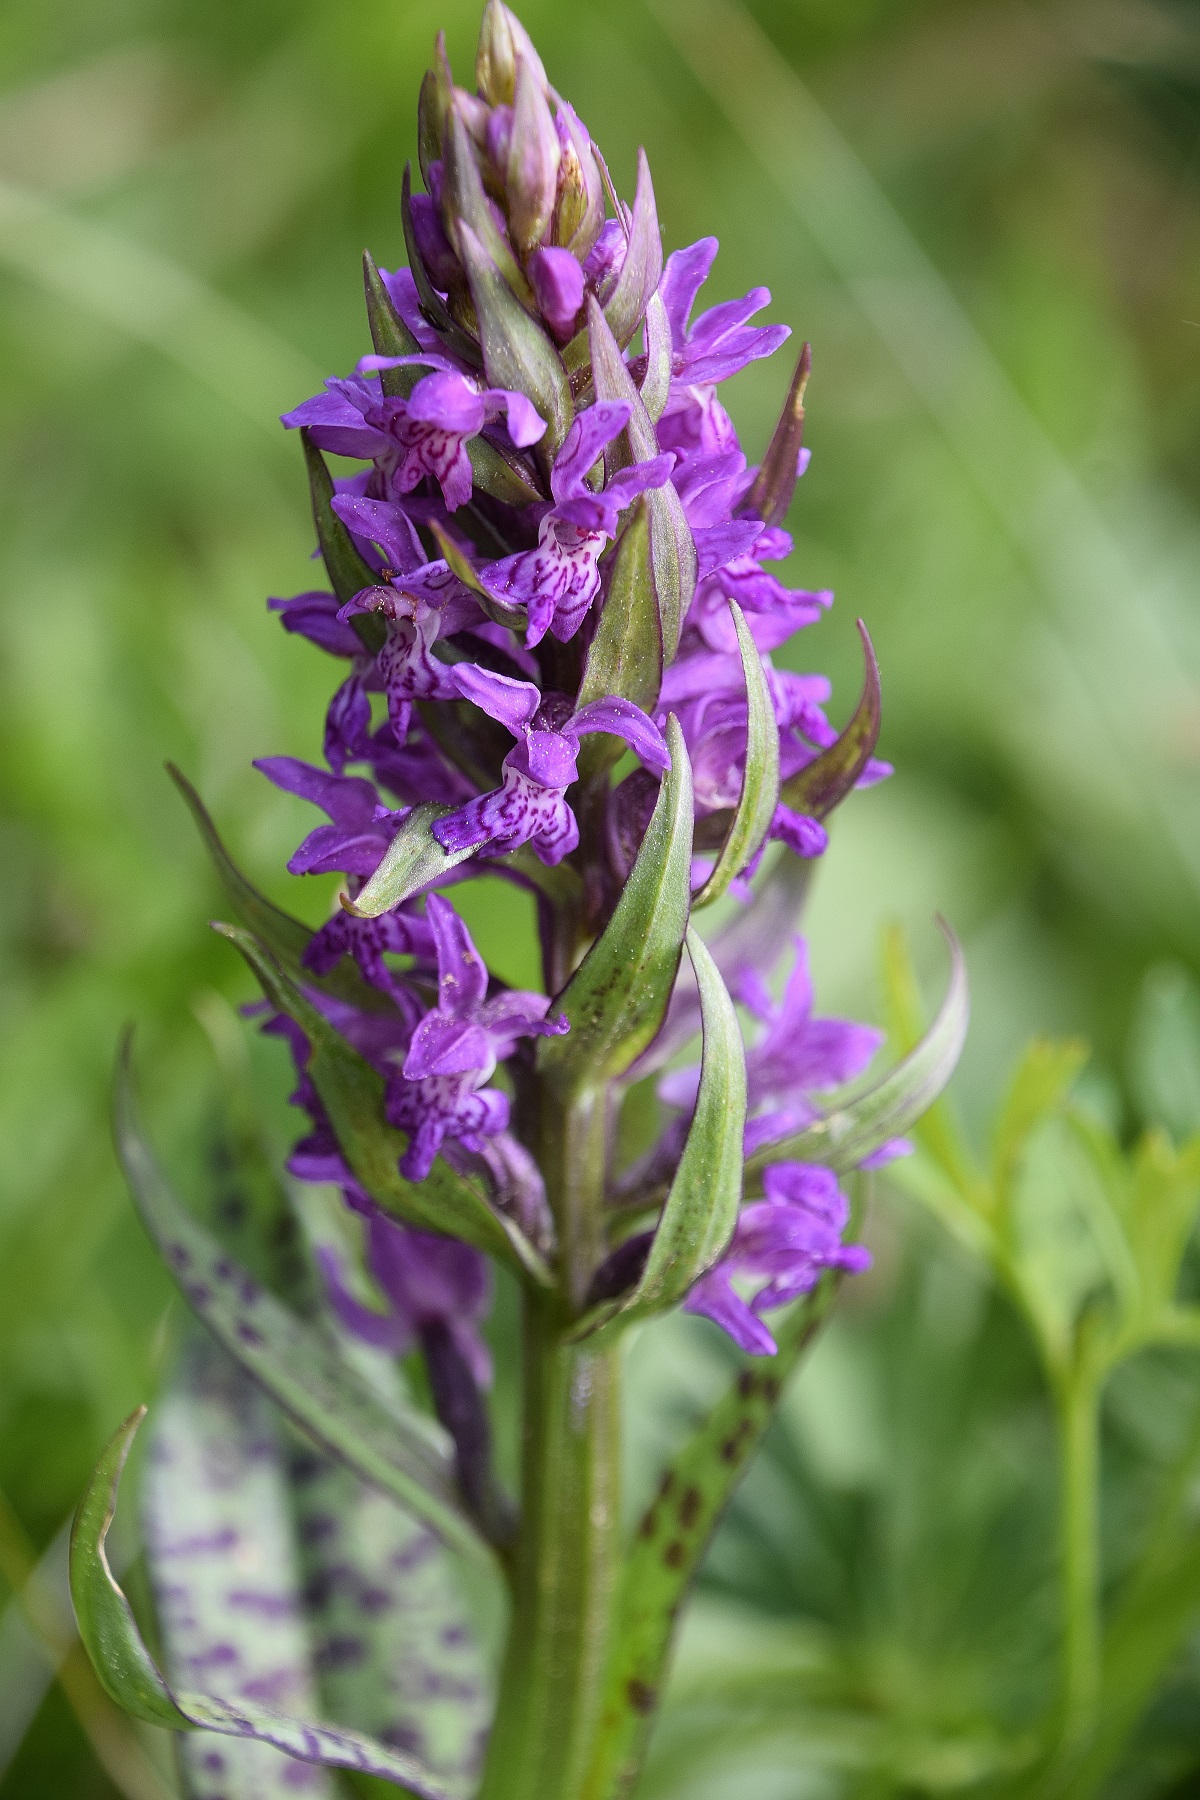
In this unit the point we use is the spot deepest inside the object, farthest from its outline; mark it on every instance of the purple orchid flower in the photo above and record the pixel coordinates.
(785, 1242)
(559, 580)
(401, 932)
(361, 829)
(427, 434)
(430, 1283)
(531, 806)
(441, 1091)
(720, 342)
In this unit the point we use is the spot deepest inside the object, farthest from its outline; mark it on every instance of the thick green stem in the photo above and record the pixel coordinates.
(550, 1682)
(1079, 1538)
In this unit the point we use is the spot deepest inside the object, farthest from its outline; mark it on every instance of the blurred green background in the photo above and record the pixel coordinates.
(984, 216)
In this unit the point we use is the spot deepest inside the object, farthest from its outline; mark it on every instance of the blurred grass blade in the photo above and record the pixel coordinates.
(616, 999)
(127, 1670)
(760, 776)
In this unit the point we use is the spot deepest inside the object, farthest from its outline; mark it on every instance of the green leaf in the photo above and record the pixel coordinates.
(616, 999)
(389, 334)
(517, 354)
(127, 1671)
(348, 573)
(626, 653)
(824, 784)
(515, 617)
(496, 473)
(760, 780)
(1159, 1214)
(352, 1094)
(849, 1133)
(377, 1581)
(222, 1554)
(286, 938)
(672, 549)
(403, 1453)
(671, 1540)
(702, 1203)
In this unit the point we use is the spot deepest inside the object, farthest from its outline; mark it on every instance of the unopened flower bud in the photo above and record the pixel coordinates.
(533, 159)
(502, 41)
(499, 137)
(558, 286)
(475, 115)
(579, 207)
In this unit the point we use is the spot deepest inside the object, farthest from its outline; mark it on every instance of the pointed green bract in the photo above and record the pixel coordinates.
(348, 573)
(352, 1092)
(616, 999)
(625, 656)
(517, 353)
(412, 862)
(389, 334)
(760, 778)
(845, 1136)
(672, 549)
(456, 340)
(826, 781)
(128, 1673)
(469, 210)
(656, 383)
(641, 270)
(286, 938)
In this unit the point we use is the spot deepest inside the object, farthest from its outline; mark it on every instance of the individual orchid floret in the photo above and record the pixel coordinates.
(407, 666)
(402, 932)
(785, 1242)
(440, 1091)
(558, 288)
(559, 580)
(531, 806)
(720, 341)
(361, 828)
(432, 1284)
(426, 434)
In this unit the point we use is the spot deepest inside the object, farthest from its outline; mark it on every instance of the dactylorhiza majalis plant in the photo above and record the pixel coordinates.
(550, 595)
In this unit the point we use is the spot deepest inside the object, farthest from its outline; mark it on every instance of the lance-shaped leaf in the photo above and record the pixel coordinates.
(671, 1541)
(824, 784)
(466, 204)
(395, 1650)
(352, 1094)
(348, 573)
(702, 1203)
(433, 104)
(413, 861)
(846, 1135)
(775, 483)
(497, 473)
(389, 334)
(287, 938)
(616, 999)
(221, 1547)
(457, 341)
(517, 354)
(130, 1676)
(625, 656)
(400, 1451)
(672, 549)
(760, 778)
(656, 383)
